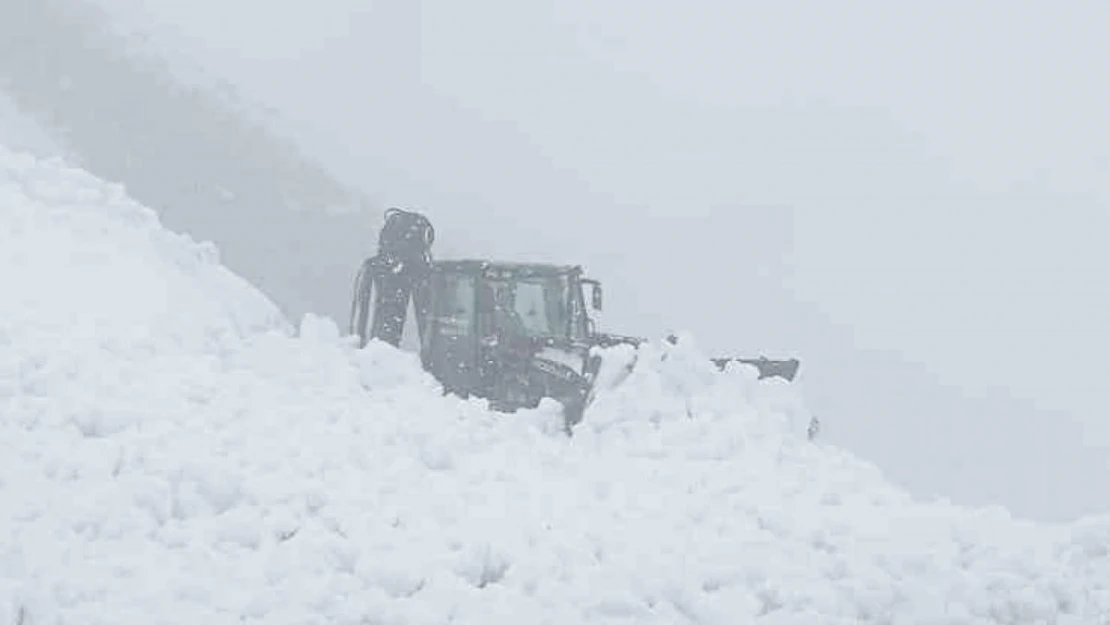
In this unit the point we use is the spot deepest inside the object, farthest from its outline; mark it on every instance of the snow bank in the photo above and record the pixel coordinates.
(171, 450)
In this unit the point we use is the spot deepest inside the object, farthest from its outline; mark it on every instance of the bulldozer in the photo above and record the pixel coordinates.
(511, 333)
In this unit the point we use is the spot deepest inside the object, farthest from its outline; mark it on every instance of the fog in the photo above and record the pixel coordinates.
(913, 200)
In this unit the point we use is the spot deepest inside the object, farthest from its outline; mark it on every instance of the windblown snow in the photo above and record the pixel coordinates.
(173, 451)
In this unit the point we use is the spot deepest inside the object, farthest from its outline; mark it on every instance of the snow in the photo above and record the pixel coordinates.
(21, 132)
(173, 450)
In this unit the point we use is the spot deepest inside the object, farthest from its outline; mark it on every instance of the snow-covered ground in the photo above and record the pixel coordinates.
(172, 450)
(20, 131)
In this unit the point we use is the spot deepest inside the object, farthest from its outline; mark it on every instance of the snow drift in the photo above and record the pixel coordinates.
(172, 450)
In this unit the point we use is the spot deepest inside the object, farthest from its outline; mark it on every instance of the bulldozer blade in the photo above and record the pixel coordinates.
(785, 369)
(768, 368)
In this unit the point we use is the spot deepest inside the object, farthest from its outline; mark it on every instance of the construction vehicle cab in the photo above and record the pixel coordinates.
(511, 333)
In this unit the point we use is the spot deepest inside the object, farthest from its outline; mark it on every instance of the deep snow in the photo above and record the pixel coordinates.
(173, 450)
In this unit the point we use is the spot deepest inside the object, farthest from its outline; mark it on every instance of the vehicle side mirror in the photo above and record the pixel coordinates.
(596, 297)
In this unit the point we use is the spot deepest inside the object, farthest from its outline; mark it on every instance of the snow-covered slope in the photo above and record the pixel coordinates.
(20, 131)
(173, 451)
(210, 162)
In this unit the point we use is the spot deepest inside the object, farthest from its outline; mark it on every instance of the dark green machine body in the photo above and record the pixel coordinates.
(511, 333)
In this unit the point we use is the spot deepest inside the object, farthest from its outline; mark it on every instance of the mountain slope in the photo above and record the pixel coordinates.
(21, 132)
(176, 451)
(212, 168)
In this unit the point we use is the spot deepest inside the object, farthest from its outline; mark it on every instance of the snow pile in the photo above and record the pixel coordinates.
(172, 451)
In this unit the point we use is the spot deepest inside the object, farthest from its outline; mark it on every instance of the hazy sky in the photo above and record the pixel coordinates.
(931, 183)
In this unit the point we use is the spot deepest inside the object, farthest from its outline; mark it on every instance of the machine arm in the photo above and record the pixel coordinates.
(386, 281)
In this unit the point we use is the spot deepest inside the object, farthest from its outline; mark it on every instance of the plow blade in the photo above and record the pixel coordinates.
(768, 368)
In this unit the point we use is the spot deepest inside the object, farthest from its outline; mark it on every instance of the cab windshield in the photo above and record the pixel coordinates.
(541, 304)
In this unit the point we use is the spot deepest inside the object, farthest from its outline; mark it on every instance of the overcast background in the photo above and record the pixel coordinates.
(913, 200)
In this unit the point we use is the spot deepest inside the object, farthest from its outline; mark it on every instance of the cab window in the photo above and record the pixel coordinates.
(531, 305)
(455, 304)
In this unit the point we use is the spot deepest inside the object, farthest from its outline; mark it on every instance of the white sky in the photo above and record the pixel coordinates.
(932, 182)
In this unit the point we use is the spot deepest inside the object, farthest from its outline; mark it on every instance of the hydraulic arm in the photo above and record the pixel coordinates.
(392, 277)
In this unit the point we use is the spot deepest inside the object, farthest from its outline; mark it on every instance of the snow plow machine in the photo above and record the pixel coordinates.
(508, 332)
